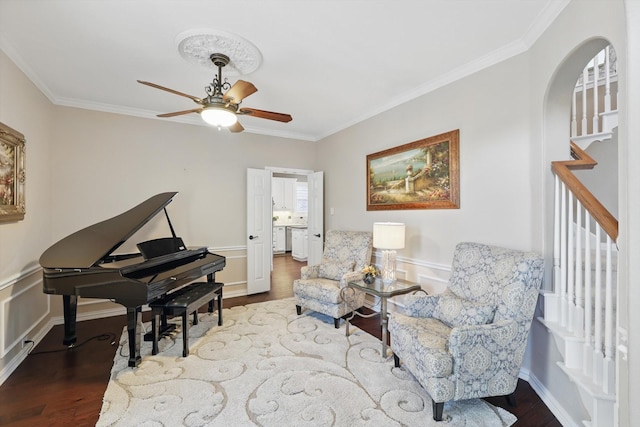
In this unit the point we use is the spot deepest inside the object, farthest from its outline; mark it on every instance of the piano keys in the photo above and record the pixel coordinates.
(83, 264)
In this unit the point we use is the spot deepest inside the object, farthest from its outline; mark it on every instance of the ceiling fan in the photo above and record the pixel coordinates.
(221, 109)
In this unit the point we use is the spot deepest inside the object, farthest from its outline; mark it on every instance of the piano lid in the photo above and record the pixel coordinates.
(88, 246)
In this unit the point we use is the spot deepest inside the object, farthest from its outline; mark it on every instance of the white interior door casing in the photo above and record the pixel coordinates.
(315, 219)
(259, 232)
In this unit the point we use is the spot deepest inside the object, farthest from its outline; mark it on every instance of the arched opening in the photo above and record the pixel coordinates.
(580, 229)
(557, 129)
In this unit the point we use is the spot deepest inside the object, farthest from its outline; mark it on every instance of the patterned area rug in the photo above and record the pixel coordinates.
(269, 367)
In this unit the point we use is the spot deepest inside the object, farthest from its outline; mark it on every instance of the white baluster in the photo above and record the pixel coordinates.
(571, 265)
(596, 113)
(556, 237)
(585, 76)
(608, 381)
(563, 255)
(607, 81)
(587, 365)
(597, 339)
(574, 121)
(579, 285)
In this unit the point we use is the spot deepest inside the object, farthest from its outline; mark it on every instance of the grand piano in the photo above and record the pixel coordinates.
(83, 264)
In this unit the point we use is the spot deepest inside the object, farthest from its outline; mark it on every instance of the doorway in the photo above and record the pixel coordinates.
(276, 204)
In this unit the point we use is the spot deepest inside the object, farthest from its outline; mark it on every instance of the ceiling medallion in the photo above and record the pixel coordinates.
(196, 46)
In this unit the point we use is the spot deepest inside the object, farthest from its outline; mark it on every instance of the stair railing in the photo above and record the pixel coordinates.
(597, 111)
(583, 277)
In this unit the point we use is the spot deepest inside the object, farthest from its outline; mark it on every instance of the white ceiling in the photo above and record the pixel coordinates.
(330, 64)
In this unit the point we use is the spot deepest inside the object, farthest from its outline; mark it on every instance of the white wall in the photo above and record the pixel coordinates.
(629, 241)
(602, 180)
(491, 110)
(113, 162)
(22, 303)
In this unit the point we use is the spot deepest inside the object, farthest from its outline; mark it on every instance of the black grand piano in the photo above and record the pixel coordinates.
(83, 264)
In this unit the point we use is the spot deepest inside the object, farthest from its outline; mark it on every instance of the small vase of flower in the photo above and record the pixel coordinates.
(370, 272)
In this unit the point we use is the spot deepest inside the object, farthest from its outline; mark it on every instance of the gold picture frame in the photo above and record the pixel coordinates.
(12, 174)
(423, 174)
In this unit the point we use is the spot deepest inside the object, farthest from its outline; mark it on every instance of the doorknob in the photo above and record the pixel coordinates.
(317, 235)
(253, 237)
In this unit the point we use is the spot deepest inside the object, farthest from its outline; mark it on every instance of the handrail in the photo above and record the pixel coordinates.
(563, 168)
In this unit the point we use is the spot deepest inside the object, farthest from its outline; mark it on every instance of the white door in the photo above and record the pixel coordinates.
(315, 218)
(259, 233)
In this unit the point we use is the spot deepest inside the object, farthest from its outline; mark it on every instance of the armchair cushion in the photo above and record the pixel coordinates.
(334, 270)
(427, 339)
(454, 311)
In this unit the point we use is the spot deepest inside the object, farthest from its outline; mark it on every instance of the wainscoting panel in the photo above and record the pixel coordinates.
(21, 311)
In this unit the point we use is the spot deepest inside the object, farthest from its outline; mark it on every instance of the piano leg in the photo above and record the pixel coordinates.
(70, 308)
(133, 329)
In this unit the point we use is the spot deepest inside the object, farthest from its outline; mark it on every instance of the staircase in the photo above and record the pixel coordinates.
(581, 310)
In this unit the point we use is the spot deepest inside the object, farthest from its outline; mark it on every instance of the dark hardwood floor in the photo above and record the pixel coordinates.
(58, 386)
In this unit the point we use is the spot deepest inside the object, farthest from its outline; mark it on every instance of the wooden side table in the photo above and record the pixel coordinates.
(383, 291)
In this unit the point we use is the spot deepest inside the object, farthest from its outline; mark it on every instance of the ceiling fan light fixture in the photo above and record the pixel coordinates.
(220, 117)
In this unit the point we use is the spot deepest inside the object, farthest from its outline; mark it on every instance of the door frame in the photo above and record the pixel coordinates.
(271, 171)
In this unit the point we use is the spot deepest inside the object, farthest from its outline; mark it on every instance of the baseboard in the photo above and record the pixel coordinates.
(13, 364)
(552, 403)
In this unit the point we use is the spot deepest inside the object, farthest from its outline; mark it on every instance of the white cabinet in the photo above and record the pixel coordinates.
(279, 240)
(299, 244)
(283, 191)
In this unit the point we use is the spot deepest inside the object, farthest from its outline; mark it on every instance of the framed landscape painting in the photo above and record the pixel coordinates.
(423, 174)
(12, 174)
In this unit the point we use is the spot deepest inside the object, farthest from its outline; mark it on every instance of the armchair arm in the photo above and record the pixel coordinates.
(309, 271)
(420, 305)
(485, 350)
(351, 276)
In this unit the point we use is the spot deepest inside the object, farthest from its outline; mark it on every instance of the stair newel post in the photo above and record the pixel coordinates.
(579, 311)
(597, 340)
(587, 364)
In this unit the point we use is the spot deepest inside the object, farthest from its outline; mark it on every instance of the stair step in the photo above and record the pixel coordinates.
(587, 384)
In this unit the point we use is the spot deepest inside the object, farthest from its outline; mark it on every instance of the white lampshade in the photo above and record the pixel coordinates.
(218, 116)
(388, 235)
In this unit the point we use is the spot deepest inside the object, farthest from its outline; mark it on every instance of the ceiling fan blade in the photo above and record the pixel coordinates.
(279, 117)
(236, 127)
(194, 98)
(239, 91)
(179, 113)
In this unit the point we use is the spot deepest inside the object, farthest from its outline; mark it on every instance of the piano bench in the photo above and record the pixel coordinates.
(182, 302)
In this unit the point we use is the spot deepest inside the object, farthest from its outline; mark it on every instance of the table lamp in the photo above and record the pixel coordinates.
(388, 236)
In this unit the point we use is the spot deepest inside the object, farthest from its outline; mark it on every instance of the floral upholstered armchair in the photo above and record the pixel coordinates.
(470, 340)
(319, 287)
